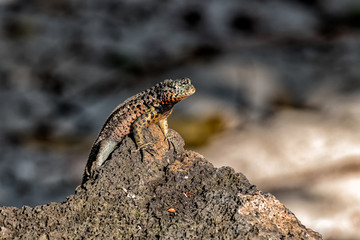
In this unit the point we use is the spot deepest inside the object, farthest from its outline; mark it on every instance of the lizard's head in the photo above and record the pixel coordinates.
(174, 91)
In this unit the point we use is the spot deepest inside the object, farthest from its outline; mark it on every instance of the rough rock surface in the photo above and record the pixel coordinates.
(168, 194)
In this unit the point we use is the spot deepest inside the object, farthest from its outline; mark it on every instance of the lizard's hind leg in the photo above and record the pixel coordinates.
(98, 155)
(107, 146)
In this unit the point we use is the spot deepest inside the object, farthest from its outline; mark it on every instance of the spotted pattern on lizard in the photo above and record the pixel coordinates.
(153, 105)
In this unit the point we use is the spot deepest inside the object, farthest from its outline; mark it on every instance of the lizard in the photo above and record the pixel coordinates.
(151, 106)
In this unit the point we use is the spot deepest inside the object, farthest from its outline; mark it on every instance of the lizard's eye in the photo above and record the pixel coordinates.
(186, 81)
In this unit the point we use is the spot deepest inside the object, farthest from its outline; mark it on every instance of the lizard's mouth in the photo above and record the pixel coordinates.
(191, 90)
(178, 97)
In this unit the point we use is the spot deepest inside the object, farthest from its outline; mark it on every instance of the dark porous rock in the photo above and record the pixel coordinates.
(168, 193)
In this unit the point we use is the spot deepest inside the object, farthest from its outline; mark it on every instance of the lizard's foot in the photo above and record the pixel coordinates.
(149, 147)
(169, 138)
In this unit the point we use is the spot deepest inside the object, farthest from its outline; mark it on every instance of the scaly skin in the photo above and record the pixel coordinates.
(153, 105)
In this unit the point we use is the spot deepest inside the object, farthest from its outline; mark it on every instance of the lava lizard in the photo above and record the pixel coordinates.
(153, 105)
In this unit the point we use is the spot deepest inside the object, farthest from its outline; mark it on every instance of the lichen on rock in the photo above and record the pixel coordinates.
(169, 193)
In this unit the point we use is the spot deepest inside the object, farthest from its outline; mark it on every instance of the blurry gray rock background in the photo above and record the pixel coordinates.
(277, 93)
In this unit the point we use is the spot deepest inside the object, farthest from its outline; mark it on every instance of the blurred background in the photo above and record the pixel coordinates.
(278, 93)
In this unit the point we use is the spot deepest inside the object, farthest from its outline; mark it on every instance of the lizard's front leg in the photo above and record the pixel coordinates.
(147, 118)
(164, 124)
(164, 127)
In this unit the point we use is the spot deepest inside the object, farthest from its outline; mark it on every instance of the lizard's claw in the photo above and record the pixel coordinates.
(168, 138)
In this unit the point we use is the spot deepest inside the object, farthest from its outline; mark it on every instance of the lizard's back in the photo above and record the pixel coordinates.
(119, 122)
